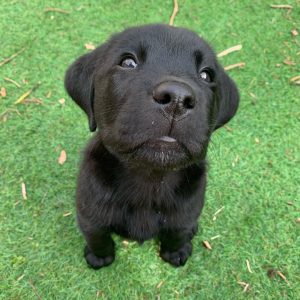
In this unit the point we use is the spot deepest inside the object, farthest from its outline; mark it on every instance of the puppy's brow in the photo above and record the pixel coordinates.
(142, 52)
(198, 57)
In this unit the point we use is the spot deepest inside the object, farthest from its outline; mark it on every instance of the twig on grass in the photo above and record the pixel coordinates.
(54, 9)
(35, 289)
(174, 13)
(230, 50)
(10, 58)
(12, 81)
(272, 272)
(284, 6)
(245, 285)
(237, 65)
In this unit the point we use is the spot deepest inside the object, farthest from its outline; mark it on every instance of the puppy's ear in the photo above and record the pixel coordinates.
(228, 99)
(79, 82)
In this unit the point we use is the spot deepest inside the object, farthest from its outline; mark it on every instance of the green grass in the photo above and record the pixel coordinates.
(254, 169)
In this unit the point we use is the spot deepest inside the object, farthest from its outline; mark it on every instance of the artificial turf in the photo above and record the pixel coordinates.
(254, 178)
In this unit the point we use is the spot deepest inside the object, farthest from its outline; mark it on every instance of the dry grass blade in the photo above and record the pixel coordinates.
(245, 285)
(67, 214)
(174, 13)
(215, 237)
(248, 266)
(35, 290)
(12, 81)
(160, 284)
(8, 59)
(282, 276)
(54, 9)
(284, 6)
(217, 212)
(25, 95)
(295, 80)
(23, 188)
(89, 46)
(237, 65)
(230, 50)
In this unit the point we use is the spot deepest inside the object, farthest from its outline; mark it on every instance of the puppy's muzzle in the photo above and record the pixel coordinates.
(175, 98)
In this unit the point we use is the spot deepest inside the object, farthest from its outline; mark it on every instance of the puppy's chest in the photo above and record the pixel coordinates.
(144, 209)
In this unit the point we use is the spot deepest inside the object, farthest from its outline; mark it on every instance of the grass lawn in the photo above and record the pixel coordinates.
(254, 178)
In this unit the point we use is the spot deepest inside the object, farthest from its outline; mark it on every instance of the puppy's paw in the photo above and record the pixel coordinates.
(179, 257)
(96, 262)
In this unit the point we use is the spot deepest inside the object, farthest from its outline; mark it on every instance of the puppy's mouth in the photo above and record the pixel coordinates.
(160, 153)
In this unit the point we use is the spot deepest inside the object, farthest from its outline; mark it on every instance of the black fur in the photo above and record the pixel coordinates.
(143, 174)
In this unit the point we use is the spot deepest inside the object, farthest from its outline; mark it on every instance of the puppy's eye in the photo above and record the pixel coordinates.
(206, 75)
(128, 62)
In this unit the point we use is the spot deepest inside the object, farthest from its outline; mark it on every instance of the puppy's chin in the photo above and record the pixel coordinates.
(162, 154)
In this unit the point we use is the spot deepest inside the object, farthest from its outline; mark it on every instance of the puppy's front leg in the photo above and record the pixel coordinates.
(176, 246)
(100, 249)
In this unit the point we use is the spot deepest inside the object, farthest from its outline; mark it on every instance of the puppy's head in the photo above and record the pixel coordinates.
(156, 94)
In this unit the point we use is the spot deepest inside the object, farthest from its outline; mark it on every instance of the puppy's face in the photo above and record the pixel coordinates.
(156, 94)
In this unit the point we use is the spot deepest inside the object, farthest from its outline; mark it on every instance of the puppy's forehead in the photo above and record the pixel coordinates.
(161, 38)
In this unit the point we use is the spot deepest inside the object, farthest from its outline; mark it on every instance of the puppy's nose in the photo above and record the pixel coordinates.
(176, 98)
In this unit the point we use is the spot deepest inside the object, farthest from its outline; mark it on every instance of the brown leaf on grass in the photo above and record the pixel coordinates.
(284, 6)
(230, 50)
(62, 157)
(125, 243)
(100, 294)
(49, 94)
(23, 188)
(289, 62)
(62, 101)
(90, 46)
(3, 92)
(67, 214)
(294, 32)
(237, 65)
(174, 13)
(207, 245)
(298, 220)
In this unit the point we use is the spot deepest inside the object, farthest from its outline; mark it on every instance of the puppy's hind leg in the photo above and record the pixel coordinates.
(100, 249)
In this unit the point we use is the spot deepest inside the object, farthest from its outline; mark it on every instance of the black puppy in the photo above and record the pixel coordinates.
(156, 94)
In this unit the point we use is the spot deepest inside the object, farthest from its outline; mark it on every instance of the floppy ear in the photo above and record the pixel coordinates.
(79, 82)
(228, 99)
